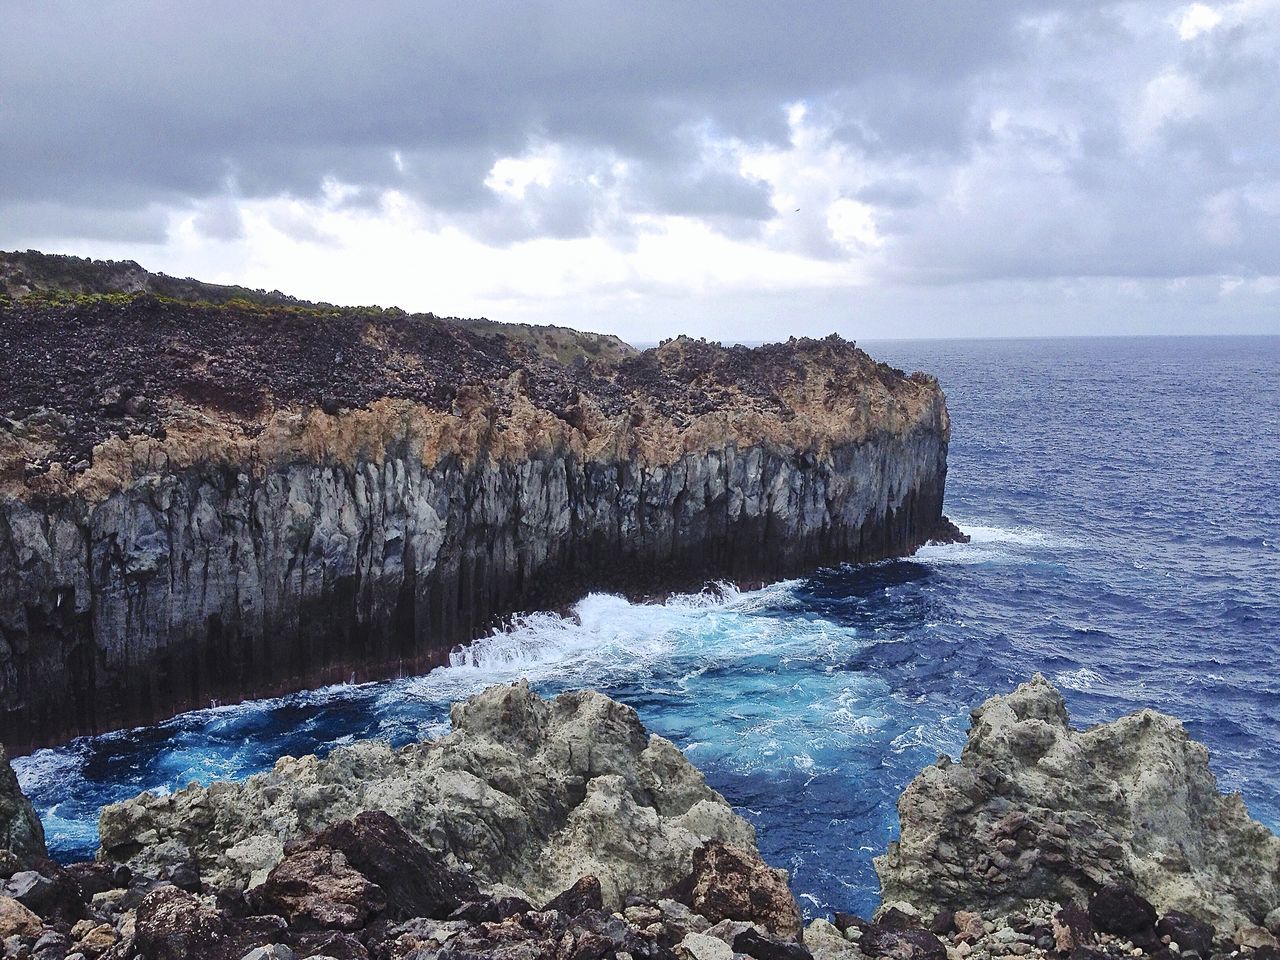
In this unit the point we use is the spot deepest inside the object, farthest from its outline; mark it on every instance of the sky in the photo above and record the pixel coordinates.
(740, 171)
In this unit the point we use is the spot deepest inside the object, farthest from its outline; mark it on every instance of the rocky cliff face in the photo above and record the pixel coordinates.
(20, 830)
(1038, 811)
(207, 502)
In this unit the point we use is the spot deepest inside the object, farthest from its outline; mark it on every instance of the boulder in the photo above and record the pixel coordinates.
(17, 920)
(1038, 810)
(20, 828)
(526, 792)
(414, 881)
(51, 891)
(895, 943)
(732, 883)
(316, 888)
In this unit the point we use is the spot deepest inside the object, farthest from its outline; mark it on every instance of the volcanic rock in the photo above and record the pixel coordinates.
(1036, 809)
(20, 828)
(17, 920)
(414, 881)
(732, 883)
(317, 888)
(1191, 934)
(213, 501)
(1119, 909)
(527, 792)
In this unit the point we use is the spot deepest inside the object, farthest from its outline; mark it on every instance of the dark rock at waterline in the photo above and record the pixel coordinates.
(1121, 910)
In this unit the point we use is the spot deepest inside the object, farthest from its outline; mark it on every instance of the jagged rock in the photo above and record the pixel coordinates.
(731, 883)
(1072, 928)
(825, 941)
(20, 828)
(700, 946)
(414, 882)
(1036, 809)
(172, 924)
(582, 896)
(316, 888)
(1255, 938)
(17, 920)
(527, 792)
(51, 892)
(897, 943)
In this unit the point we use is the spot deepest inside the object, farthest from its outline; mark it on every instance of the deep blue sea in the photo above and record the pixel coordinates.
(1123, 496)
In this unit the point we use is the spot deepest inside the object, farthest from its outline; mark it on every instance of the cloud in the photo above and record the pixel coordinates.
(596, 152)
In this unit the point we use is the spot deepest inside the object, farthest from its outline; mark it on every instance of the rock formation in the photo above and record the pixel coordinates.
(21, 833)
(210, 501)
(524, 792)
(1038, 811)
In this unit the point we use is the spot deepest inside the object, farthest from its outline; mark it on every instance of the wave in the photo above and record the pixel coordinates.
(606, 640)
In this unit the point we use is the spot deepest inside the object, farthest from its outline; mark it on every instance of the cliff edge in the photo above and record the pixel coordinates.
(244, 495)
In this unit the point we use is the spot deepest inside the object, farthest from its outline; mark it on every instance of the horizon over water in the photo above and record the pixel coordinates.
(1123, 495)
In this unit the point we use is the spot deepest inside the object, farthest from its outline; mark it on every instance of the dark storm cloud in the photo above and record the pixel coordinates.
(114, 103)
(988, 138)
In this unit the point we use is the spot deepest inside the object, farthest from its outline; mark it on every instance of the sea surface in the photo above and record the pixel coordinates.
(1123, 496)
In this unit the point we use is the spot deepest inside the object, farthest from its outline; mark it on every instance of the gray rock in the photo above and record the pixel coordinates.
(1131, 803)
(274, 951)
(526, 792)
(20, 828)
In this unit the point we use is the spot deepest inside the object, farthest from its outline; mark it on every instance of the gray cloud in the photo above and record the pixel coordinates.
(993, 139)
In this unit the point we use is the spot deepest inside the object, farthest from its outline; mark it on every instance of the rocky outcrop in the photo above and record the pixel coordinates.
(524, 792)
(208, 502)
(1038, 811)
(21, 832)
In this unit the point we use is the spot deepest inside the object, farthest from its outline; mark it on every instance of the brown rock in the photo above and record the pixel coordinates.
(1072, 928)
(415, 881)
(95, 941)
(729, 883)
(969, 926)
(17, 920)
(1255, 937)
(316, 888)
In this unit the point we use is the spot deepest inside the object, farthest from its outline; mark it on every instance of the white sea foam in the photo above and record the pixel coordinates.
(1080, 680)
(48, 768)
(608, 639)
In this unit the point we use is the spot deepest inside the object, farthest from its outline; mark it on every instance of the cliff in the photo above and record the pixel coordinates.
(208, 501)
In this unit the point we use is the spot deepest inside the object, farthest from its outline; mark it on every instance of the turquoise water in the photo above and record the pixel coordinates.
(1124, 502)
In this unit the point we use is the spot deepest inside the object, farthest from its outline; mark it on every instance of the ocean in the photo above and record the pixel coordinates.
(1123, 498)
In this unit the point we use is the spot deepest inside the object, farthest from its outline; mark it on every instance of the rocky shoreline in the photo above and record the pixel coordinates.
(243, 495)
(562, 829)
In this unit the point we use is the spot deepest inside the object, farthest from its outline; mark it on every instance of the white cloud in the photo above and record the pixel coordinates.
(1197, 19)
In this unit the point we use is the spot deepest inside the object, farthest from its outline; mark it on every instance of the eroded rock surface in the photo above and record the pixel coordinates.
(526, 792)
(1037, 810)
(20, 829)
